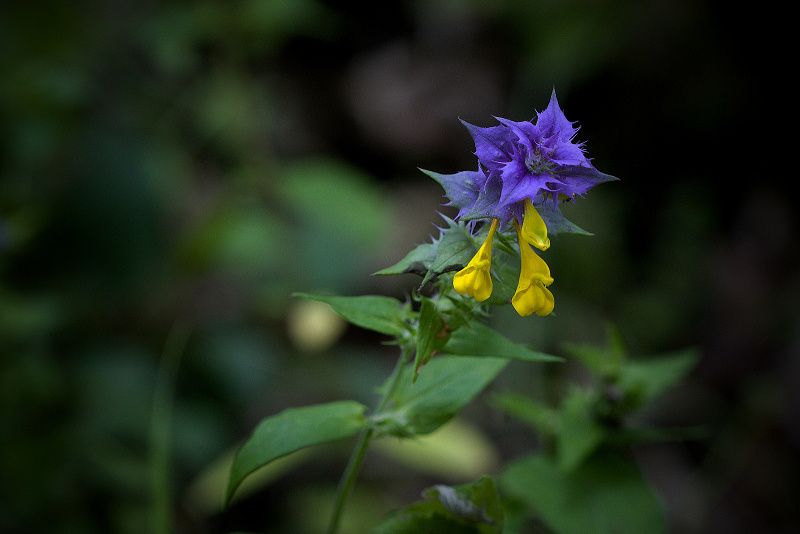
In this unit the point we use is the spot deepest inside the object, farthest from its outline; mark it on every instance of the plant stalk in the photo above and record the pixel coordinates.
(354, 464)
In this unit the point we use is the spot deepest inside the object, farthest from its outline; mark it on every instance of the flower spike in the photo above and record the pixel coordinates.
(525, 169)
(534, 231)
(532, 294)
(474, 279)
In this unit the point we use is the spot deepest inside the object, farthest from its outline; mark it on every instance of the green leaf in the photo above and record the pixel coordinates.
(454, 250)
(605, 361)
(580, 433)
(291, 430)
(538, 415)
(646, 379)
(418, 261)
(468, 508)
(427, 334)
(476, 503)
(420, 518)
(605, 494)
(373, 312)
(443, 388)
(505, 271)
(556, 222)
(477, 339)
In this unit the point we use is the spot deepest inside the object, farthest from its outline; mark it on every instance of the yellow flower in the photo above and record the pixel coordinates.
(534, 230)
(474, 279)
(532, 294)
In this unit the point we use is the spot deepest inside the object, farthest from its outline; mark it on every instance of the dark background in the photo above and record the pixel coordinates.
(170, 163)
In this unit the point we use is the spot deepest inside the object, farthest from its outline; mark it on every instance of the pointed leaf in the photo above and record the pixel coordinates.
(607, 493)
(461, 188)
(579, 178)
(576, 179)
(556, 222)
(538, 415)
(647, 379)
(477, 503)
(294, 429)
(604, 362)
(373, 312)
(468, 508)
(505, 271)
(427, 334)
(420, 518)
(478, 339)
(454, 250)
(418, 261)
(445, 385)
(579, 432)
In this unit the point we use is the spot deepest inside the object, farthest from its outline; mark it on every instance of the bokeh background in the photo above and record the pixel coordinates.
(170, 172)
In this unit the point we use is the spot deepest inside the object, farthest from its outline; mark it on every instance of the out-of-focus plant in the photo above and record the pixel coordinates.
(582, 478)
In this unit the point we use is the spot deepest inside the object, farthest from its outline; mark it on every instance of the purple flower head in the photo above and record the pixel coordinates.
(518, 161)
(520, 166)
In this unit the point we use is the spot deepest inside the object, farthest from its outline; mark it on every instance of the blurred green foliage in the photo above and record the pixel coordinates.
(582, 478)
(194, 163)
(469, 508)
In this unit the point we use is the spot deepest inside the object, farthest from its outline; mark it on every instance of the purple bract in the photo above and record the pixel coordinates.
(518, 161)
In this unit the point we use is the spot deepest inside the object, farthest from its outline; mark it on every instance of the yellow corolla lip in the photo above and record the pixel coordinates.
(534, 231)
(474, 279)
(532, 295)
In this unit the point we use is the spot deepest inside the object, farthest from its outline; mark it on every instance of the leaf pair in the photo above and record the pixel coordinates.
(389, 316)
(448, 384)
(419, 403)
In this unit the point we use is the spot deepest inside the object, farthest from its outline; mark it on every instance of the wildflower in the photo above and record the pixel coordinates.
(521, 165)
(532, 294)
(474, 279)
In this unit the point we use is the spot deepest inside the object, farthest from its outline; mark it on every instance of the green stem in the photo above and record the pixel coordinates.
(354, 464)
(160, 426)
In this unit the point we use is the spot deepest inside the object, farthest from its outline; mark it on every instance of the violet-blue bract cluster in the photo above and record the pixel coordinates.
(524, 170)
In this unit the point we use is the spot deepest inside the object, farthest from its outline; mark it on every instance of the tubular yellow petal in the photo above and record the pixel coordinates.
(532, 295)
(474, 279)
(535, 298)
(534, 231)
